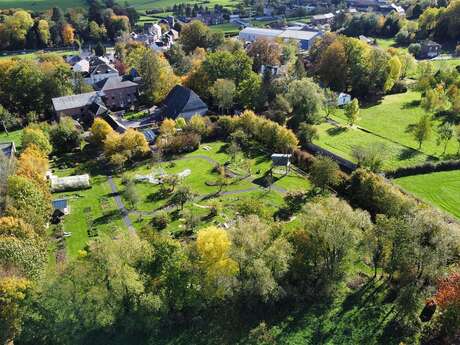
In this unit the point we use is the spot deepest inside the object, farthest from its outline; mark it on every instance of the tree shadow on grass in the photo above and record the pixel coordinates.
(108, 217)
(412, 104)
(336, 130)
(408, 153)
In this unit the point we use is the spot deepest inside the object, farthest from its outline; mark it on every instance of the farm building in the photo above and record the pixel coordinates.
(303, 37)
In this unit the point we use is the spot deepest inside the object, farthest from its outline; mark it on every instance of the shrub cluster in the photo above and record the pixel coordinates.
(267, 133)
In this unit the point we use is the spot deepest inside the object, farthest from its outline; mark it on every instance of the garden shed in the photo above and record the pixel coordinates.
(62, 184)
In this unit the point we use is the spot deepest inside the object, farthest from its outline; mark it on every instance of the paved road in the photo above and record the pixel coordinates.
(121, 206)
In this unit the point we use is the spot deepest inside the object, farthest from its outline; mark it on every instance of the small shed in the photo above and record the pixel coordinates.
(343, 99)
(8, 149)
(62, 184)
(281, 160)
(60, 209)
(429, 49)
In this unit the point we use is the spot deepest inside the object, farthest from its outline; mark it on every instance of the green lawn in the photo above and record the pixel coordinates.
(392, 119)
(14, 136)
(92, 208)
(227, 28)
(450, 63)
(342, 140)
(41, 4)
(441, 189)
(35, 55)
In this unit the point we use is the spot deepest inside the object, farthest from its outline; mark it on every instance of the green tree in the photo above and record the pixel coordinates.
(99, 49)
(35, 136)
(352, 111)
(307, 133)
(194, 34)
(249, 92)
(224, 91)
(371, 156)
(157, 75)
(28, 201)
(64, 135)
(445, 134)
(422, 130)
(306, 99)
(130, 194)
(324, 173)
(395, 72)
(262, 256)
(182, 195)
(333, 230)
(330, 103)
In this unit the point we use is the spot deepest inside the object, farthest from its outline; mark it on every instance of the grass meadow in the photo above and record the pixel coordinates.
(441, 189)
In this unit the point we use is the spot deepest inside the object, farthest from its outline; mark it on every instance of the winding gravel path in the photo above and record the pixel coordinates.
(121, 206)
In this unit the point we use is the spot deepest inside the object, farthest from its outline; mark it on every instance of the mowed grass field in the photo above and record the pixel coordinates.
(140, 5)
(393, 118)
(39, 5)
(387, 123)
(342, 140)
(441, 189)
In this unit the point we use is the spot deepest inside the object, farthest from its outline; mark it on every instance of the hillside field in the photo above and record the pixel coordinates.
(140, 5)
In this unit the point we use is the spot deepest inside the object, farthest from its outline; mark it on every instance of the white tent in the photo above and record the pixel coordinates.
(62, 184)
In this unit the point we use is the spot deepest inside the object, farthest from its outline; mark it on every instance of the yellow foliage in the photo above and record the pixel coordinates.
(168, 127)
(68, 34)
(11, 226)
(213, 246)
(33, 163)
(135, 142)
(99, 131)
(12, 291)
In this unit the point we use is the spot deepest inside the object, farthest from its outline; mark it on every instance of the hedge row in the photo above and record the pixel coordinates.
(425, 168)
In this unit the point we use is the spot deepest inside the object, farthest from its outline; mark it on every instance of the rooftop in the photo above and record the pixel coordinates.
(113, 83)
(75, 101)
(261, 31)
(8, 149)
(288, 33)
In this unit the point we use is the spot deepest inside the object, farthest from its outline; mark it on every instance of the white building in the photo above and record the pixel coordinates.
(343, 99)
(305, 38)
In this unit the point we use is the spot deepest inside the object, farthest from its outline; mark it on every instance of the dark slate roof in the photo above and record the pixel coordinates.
(59, 204)
(8, 149)
(183, 102)
(279, 159)
(430, 43)
(98, 108)
(113, 83)
(101, 68)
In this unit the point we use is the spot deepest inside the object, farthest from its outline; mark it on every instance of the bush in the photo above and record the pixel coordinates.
(398, 87)
(303, 159)
(64, 136)
(180, 143)
(160, 220)
(372, 193)
(415, 49)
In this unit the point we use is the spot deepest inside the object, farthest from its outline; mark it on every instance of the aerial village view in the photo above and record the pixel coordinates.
(229, 172)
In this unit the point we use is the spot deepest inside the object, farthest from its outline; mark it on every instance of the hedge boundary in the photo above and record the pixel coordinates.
(425, 168)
